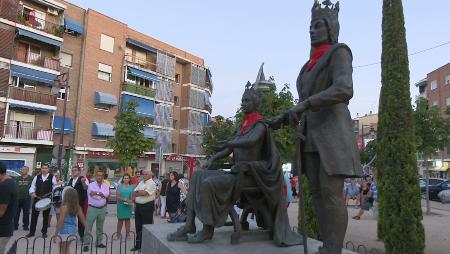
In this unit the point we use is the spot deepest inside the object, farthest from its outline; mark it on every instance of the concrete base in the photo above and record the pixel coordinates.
(155, 242)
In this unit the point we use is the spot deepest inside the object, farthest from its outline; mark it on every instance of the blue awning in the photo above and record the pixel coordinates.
(72, 25)
(27, 73)
(145, 108)
(105, 99)
(143, 74)
(141, 45)
(14, 105)
(103, 129)
(39, 37)
(149, 133)
(57, 124)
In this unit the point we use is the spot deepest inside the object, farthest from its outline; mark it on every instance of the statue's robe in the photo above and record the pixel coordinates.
(213, 192)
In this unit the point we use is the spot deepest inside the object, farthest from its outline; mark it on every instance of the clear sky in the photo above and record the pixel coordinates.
(234, 37)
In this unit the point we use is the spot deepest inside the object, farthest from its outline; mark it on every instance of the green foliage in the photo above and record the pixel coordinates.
(129, 142)
(368, 153)
(220, 129)
(311, 221)
(432, 130)
(400, 216)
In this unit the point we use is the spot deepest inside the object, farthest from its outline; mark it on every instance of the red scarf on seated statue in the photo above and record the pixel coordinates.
(316, 55)
(249, 120)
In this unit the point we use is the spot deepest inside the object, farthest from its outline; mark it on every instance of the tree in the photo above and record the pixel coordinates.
(368, 153)
(219, 129)
(432, 134)
(399, 224)
(129, 141)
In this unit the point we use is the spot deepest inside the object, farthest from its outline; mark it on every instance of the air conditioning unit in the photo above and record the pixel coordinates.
(52, 11)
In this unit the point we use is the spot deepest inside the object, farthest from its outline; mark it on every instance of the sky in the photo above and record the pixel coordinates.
(235, 37)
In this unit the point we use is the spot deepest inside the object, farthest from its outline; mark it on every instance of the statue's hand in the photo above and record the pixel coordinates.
(275, 122)
(209, 163)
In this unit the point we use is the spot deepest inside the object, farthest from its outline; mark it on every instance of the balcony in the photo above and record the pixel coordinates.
(140, 63)
(131, 88)
(27, 19)
(21, 94)
(38, 60)
(22, 134)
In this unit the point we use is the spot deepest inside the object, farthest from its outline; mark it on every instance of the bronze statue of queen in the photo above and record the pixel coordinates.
(257, 162)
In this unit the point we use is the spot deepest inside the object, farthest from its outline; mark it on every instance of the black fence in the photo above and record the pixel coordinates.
(116, 244)
(360, 248)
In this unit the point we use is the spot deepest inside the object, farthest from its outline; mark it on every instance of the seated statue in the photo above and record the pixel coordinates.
(256, 161)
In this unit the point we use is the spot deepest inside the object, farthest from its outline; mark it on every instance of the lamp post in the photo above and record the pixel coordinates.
(61, 81)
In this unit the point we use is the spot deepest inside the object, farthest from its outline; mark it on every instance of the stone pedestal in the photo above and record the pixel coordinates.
(155, 242)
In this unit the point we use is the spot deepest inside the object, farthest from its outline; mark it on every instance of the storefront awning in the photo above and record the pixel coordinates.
(39, 37)
(149, 133)
(31, 74)
(105, 99)
(145, 108)
(57, 124)
(103, 129)
(141, 45)
(72, 25)
(143, 74)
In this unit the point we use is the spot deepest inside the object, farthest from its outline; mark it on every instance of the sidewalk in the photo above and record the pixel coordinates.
(364, 231)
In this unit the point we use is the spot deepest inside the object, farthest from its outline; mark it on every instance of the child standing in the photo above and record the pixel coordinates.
(67, 223)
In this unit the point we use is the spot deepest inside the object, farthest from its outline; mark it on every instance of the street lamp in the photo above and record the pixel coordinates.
(61, 81)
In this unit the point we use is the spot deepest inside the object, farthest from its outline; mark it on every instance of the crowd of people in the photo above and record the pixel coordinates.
(363, 192)
(82, 201)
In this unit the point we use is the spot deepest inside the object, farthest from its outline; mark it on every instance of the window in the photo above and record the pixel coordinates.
(4, 65)
(447, 101)
(177, 78)
(175, 124)
(174, 148)
(62, 93)
(435, 104)
(27, 85)
(433, 84)
(107, 43)
(176, 100)
(140, 81)
(65, 59)
(447, 80)
(105, 72)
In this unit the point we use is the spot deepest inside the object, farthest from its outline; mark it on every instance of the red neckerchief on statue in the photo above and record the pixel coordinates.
(249, 120)
(316, 55)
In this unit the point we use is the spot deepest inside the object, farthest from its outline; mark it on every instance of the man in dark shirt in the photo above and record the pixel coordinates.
(23, 185)
(8, 206)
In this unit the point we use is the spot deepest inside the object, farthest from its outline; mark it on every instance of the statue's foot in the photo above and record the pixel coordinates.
(181, 234)
(206, 234)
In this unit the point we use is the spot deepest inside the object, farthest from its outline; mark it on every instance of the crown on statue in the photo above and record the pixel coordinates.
(330, 11)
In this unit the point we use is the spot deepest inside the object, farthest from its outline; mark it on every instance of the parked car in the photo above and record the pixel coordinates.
(431, 181)
(435, 189)
(12, 173)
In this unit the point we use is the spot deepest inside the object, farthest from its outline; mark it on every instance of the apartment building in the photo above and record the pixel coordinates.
(365, 128)
(109, 64)
(32, 36)
(436, 89)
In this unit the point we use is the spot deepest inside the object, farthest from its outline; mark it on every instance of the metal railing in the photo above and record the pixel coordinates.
(21, 94)
(14, 131)
(48, 245)
(42, 61)
(144, 91)
(28, 19)
(139, 62)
